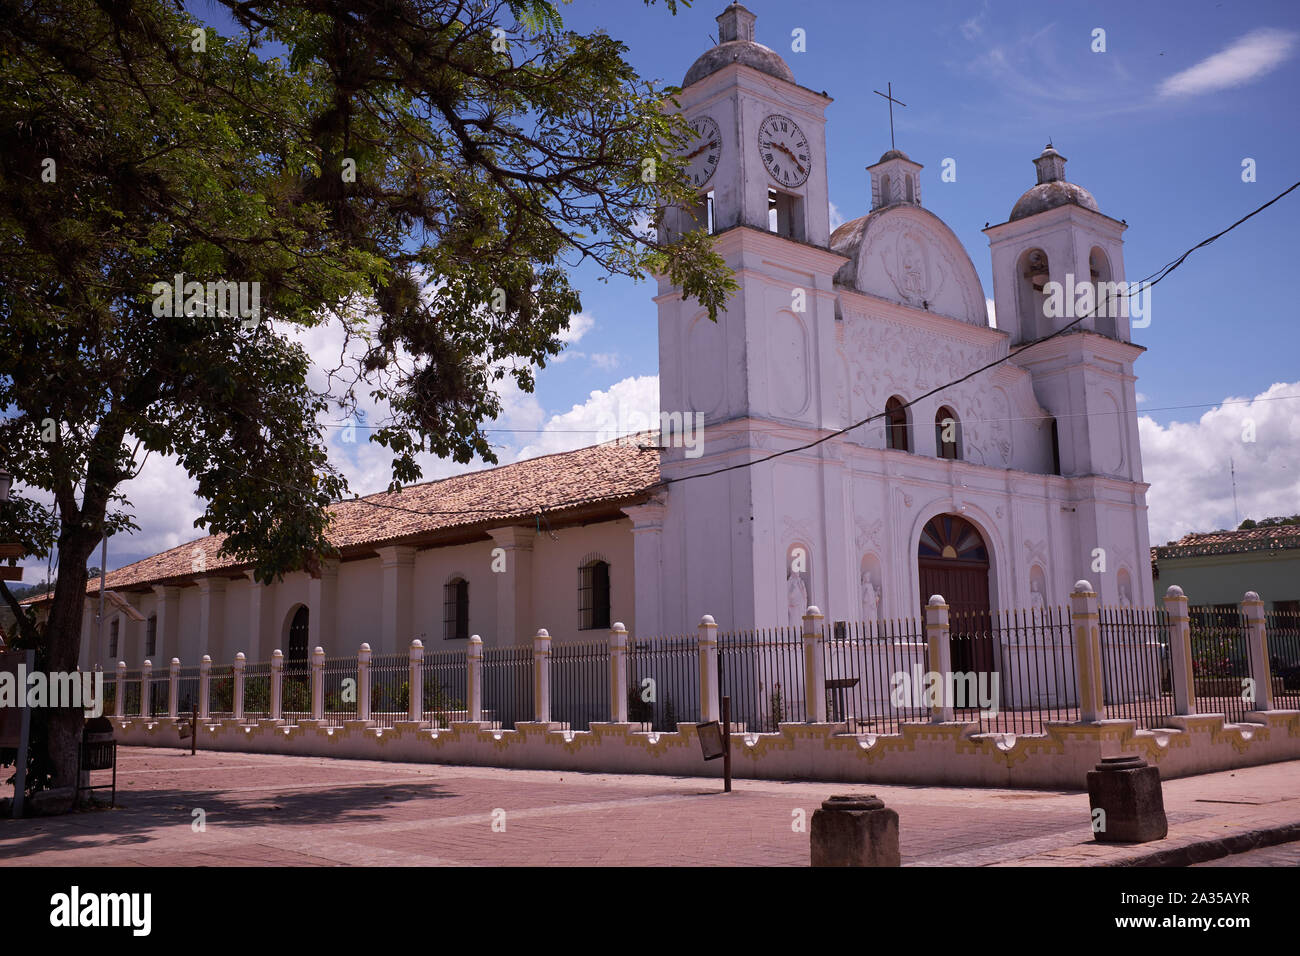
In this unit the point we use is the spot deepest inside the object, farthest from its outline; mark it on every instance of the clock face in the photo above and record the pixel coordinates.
(703, 153)
(785, 150)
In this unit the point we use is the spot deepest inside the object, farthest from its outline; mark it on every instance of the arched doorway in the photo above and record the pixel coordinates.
(298, 633)
(954, 561)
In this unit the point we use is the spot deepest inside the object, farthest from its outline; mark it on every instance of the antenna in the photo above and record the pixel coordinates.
(1235, 514)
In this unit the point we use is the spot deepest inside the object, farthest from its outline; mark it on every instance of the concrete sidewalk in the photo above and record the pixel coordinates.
(260, 809)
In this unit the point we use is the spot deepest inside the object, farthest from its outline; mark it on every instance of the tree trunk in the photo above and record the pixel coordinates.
(61, 652)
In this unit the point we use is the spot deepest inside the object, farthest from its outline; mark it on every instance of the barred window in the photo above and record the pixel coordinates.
(947, 434)
(151, 636)
(896, 424)
(455, 610)
(593, 595)
(112, 640)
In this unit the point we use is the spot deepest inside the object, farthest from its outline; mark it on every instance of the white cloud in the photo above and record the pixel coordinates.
(993, 313)
(604, 360)
(1245, 59)
(626, 407)
(1187, 464)
(1142, 398)
(579, 326)
(837, 218)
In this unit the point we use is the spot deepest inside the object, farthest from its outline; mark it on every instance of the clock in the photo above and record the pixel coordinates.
(785, 150)
(702, 155)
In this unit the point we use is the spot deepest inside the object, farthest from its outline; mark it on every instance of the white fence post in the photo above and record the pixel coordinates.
(277, 684)
(415, 681)
(542, 676)
(814, 666)
(237, 700)
(146, 677)
(173, 685)
(205, 687)
(318, 684)
(618, 673)
(1087, 652)
(1181, 677)
(474, 678)
(119, 708)
(939, 646)
(363, 682)
(710, 705)
(1260, 671)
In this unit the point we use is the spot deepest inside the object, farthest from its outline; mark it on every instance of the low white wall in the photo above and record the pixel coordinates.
(943, 754)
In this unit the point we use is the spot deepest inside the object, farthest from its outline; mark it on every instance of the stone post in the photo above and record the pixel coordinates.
(119, 693)
(1180, 651)
(854, 830)
(1252, 608)
(146, 675)
(939, 656)
(814, 666)
(710, 705)
(318, 684)
(542, 676)
(205, 687)
(238, 698)
(277, 684)
(1087, 652)
(173, 685)
(415, 681)
(1127, 802)
(363, 682)
(474, 677)
(618, 673)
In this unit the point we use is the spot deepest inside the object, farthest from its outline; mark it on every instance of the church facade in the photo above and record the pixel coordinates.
(998, 491)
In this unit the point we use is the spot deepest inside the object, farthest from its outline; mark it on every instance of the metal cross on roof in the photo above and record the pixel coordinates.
(889, 95)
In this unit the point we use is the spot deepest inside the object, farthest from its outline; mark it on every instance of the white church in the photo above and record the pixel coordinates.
(998, 492)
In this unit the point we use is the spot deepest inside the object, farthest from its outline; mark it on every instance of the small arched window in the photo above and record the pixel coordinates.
(947, 434)
(884, 191)
(455, 610)
(151, 636)
(593, 595)
(112, 640)
(896, 425)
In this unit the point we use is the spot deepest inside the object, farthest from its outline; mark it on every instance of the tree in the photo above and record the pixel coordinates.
(424, 172)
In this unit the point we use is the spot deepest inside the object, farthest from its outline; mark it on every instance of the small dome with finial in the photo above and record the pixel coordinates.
(1052, 190)
(736, 44)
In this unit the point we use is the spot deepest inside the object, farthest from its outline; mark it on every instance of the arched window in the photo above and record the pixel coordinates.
(112, 640)
(455, 610)
(1034, 274)
(896, 425)
(1106, 297)
(299, 637)
(151, 636)
(884, 191)
(593, 595)
(947, 434)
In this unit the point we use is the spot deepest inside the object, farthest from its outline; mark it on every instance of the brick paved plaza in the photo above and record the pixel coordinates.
(274, 810)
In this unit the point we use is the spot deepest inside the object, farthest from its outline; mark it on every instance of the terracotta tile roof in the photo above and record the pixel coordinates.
(1274, 537)
(601, 475)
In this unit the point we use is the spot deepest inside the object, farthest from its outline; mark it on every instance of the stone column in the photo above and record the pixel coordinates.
(238, 701)
(1087, 652)
(710, 705)
(542, 676)
(814, 666)
(395, 610)
(146, 674)
(415, 681)
(618, 673)
(474, 677)
(318, 684)
(1253, 610)
(939, 658)
(173, 685)
(168, 612)
(363, 682)
(322, 601)
(647, 563)
(119, 693)
(514, 585)
(261, 607)
(277, 684)
(205, 687)
(211, 637)
(1180, 651)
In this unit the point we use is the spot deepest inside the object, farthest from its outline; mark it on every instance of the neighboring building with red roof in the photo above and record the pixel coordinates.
(1218, 567)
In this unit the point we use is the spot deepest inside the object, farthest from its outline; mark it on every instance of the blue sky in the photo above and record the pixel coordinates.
(1156, 127)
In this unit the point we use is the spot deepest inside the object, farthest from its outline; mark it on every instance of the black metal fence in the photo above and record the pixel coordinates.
(295, 691)
(390, 688)
(445, 687)
(663, 682)
(862, 659)
(762, 672)
(507, 685)
(580, 683)
(1137, 683)
(257, 690)
(158, 694)
(187, 691)
(130, 695)
(339, 678)
(1282, 629)
(221, 692)
(1220, 662)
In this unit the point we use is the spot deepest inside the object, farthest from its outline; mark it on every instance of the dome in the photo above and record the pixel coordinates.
(1046, 196)
(895, 154)
(747, 52)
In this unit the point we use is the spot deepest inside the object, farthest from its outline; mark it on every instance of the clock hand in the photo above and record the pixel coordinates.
(706, 146)
(785, 149)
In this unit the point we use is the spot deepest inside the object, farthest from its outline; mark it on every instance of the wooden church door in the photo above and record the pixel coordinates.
(954, 562)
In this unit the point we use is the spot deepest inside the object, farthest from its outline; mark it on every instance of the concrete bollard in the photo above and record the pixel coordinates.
(855, 829)
(1127, 792)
